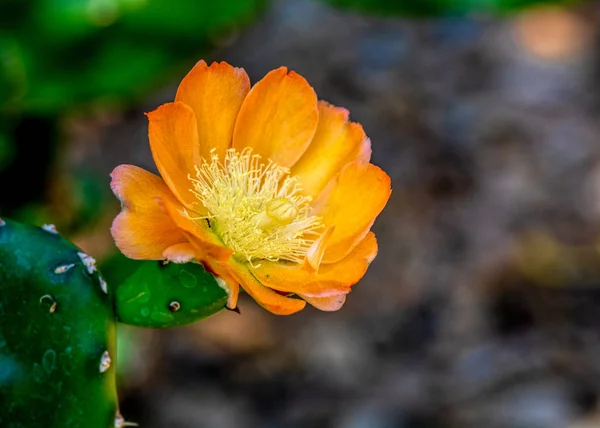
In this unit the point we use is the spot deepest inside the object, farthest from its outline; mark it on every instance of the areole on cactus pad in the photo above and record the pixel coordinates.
(57, 334)
(58, 320)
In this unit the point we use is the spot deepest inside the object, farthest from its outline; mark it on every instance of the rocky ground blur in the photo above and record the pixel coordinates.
(483, 306)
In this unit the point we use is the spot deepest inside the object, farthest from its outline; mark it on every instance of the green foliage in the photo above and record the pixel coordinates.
(159, 295)
(147, 288)
(56, 53)
(432, 8)
(59, 55)
(56, 330)
(58, 324)
(6, 150)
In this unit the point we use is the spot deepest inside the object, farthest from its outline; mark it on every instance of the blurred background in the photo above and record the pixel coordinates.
(483, 306)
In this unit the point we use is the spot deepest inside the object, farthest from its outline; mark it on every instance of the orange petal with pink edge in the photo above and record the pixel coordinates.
(215, 94)
(268, 299)
(207, 244)
(351, 202)
(180, 253)
(331, 279)
(328, 304)
(278, 118)
(336, 143)
(296, 278)
(173, 135)
(142, 230)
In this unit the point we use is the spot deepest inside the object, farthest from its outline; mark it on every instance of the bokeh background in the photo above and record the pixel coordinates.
(483, 306)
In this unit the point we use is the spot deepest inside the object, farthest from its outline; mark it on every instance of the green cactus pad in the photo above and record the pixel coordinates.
(167, 295)
(57, 334)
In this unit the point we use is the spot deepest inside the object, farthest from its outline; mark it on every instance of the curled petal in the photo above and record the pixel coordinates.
(222, 272)
(142, 230)
(329, 304)
(180, 253)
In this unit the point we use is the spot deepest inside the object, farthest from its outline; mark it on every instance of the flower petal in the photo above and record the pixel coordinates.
(278, 118)
(351, 202)
(175, 147)
(142, 230)
(215, 94)
(207, 244)
(328, 304)
(221, 271)
(336, 143)
(268, 299)
(180, 253)
(332, 279)
(315, 253)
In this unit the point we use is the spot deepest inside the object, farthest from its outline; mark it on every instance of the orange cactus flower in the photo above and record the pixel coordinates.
(267, 187)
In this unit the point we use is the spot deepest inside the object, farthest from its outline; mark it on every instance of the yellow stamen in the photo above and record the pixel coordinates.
(256, 208)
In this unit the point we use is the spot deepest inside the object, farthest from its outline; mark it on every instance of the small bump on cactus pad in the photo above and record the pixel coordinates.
(57, 334)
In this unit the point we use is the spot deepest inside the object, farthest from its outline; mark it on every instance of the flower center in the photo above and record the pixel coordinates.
(256, 208)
